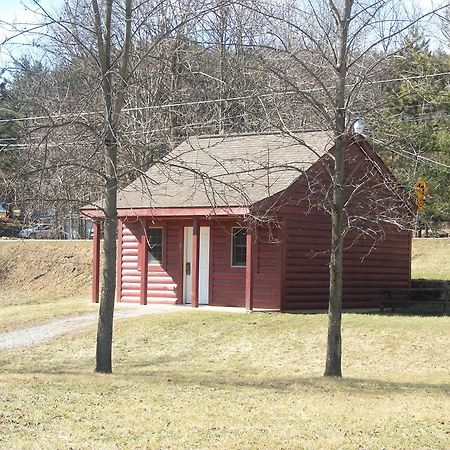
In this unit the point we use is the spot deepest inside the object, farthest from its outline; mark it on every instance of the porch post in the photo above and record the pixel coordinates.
(144, 265)
(249, 270)
(96, 262)
(195, 262)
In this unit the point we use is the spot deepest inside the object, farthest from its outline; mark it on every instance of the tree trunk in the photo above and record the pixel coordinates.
(334, 342)
(106, 314)
(114, 97)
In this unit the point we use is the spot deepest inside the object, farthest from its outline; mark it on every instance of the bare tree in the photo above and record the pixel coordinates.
(157, 76)
(114, 75)
(334, 53)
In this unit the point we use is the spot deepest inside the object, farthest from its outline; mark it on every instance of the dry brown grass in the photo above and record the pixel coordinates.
(13, 317)
(39, 270)
(40, 280)
(431, 259)
(58, 283)
(203, 380)
(217, 380)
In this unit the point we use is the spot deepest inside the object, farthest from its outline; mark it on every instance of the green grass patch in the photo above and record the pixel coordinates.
(244, 381)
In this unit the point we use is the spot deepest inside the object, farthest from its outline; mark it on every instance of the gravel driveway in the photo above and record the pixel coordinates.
(37, 334)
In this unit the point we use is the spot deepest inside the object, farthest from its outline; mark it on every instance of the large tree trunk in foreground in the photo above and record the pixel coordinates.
(114, 98)
(106, 314)
(334, 342)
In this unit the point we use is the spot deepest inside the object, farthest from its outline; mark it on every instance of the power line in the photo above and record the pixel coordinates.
(421, 118)
(415, 157)
(52, 144)
(221, 100)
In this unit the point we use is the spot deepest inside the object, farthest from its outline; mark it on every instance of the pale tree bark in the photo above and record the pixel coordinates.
(114, 97)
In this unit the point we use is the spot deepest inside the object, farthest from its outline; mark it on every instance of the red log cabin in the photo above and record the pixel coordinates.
(243, 221)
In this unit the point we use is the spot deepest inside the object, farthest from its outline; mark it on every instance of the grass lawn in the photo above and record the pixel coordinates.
(26, 312)
(244, 381)
(216, 380)
(41, 280)
(430, 259)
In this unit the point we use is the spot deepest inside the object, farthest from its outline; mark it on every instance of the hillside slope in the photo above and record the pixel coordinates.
(44, 269)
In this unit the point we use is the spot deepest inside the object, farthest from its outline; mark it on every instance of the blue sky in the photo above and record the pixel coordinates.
(22, 14)
(19, 15)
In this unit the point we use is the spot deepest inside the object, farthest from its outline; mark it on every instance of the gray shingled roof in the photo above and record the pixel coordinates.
(225, 171)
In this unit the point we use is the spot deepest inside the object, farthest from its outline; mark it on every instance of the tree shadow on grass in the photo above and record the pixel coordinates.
(156, 371)
(286, 383)
(255, 381)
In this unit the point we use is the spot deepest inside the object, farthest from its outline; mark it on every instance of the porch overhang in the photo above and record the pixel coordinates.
(98, 213)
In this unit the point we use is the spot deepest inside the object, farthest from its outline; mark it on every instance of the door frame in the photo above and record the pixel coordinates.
(203, 261)
(187, 257)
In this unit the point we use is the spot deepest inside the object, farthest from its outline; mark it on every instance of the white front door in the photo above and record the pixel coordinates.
(203, 282)
(203, 288)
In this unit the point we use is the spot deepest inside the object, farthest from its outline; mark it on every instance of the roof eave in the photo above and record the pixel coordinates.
(221, 211)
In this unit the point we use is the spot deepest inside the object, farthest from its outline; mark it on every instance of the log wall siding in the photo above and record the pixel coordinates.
(130, 279)
(227, 282)
(227, 287)
(367, 270)
(267, 274)
(293, 275)
(368, 267)
(163, 281)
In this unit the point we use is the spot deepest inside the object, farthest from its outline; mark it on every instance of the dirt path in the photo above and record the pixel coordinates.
(27, 337)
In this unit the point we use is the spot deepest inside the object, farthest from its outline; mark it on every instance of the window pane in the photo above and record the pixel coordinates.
(155, 244)
(239, 245)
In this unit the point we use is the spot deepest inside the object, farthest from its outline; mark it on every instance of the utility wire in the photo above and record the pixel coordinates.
(137, 133)
(415, 157)
(420, 118)
(221, 100)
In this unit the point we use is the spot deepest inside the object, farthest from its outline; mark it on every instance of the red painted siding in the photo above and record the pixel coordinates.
(293, 275)
(367, 270)
(267, 287)
(130, 280)
(162, 281)
(227, 283)
(227, 286)
(369, 266)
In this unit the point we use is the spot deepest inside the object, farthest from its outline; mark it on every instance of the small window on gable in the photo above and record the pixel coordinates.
(155, 245)
(238, 247)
